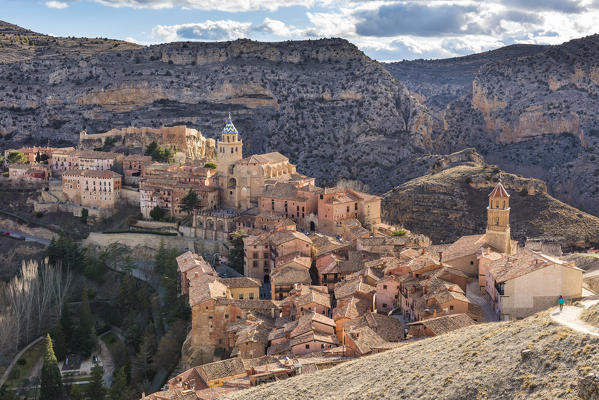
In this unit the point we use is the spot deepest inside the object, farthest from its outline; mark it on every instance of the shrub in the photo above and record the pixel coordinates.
(399, 233)
(22, 361)
(210, 165)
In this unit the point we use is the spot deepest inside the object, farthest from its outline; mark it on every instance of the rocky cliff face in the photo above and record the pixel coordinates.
(324, 104)
(451, 200)
(530, 109)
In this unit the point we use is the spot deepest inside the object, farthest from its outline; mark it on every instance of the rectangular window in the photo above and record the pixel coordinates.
(307, 346)
(251, 296)
(451, 307)
(241, 296)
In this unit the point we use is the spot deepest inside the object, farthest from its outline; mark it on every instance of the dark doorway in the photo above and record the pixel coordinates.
(312, 226)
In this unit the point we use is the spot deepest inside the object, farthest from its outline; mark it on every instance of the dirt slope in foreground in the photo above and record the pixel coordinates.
(479, 362)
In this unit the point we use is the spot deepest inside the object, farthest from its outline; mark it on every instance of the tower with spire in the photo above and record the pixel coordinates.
(228, 153)
(498, 232)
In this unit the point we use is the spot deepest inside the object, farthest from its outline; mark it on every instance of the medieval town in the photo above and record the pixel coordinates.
(323, 278)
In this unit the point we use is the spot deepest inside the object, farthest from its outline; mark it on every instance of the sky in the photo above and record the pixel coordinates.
(386, 30)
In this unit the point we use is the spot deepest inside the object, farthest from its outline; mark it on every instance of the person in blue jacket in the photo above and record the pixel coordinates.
(561, 302)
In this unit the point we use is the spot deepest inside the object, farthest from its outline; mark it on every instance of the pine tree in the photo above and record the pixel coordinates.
(236, 250)
(119, 390)
(96, 390)
(190, 202)
(51, 381)
(76, 393)
(85, 330)
(66, 322)
(60, 343)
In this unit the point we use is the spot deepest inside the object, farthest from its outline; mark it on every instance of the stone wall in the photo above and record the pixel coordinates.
(130, 196)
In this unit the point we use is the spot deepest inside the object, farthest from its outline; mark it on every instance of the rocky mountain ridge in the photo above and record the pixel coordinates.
(323, 103)
(530, 109)
(450, 200)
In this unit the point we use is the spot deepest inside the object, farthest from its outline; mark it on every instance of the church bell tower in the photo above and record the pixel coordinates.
(498, 220)
(228, 153)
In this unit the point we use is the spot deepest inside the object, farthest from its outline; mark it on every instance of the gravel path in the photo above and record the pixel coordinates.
(570, 317)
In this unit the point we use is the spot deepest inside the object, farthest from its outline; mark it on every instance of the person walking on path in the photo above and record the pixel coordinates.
(561, 301)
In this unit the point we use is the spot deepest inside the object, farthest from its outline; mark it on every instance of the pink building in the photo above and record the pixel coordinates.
(387, 293)
(314, 332)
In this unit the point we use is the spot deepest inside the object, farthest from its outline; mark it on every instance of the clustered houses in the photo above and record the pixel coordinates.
(29, 172)
(216, 379)
(164, 186)
(36, 154)
(68, 159)
(518, 282)
(88, 188)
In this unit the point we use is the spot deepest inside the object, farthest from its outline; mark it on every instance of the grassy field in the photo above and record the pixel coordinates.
(24, 365)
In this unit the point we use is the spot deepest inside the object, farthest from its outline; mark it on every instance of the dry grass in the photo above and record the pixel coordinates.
(591, 315)
(479, 362)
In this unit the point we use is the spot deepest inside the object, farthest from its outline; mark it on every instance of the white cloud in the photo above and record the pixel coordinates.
(56, 4)
(218, 5)
(207, 30)
(226, 30)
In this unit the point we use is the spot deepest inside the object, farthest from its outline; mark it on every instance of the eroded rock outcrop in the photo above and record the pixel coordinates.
(450, 201)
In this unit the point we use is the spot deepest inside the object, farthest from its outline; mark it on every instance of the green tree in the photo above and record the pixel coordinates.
(95, 389)
(152, 147)
(60, 342)
(190, 202)
(66, 252)
(210, 165)
(170, 278)
(76, 393)
(119, 389)
(51, 380)
(66, 323)
(84, 214)
(160, 257)
(85, 335)
(236, 250)
(157, 213)
(15, 157)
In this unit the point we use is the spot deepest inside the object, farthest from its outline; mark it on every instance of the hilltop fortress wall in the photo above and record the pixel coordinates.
(189, 141)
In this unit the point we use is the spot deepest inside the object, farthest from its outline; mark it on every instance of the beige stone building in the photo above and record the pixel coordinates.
(242, 180)
(529, 282)
(88, 188)
(65, 159)
(336, 205)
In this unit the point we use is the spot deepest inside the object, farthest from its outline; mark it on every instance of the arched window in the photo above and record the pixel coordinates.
(496, 204)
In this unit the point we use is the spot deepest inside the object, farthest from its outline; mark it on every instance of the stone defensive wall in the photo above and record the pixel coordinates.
(189, 141)
(152, 242)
